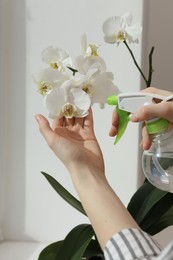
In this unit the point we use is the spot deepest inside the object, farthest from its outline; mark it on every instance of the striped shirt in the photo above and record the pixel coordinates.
(134, 244)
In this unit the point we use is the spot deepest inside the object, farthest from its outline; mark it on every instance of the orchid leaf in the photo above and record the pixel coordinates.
(165, 221)
(75, 243)
(64, 193)
(138, 198)
(149, 202)
(123, 122)
(157, 211)
(93, 249)
(50, 251)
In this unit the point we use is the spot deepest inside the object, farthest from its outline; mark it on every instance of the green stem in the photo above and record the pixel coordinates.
(133, 57)
(150, 72)
(73, 70)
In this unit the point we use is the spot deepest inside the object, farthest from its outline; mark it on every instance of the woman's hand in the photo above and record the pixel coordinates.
(161, 110)
(73, 141)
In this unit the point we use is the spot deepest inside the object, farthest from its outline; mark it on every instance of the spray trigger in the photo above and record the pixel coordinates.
(129, 103)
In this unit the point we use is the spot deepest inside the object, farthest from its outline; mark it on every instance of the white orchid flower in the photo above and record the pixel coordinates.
(88, 50)
(84, 64)
(56, 58)
(67, 101)
(99, 85)
(118, 29)
(89, 58)
(48, 79)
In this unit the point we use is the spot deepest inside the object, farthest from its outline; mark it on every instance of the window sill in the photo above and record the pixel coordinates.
(10, 250)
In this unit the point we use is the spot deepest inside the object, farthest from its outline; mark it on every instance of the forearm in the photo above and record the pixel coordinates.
(104, 209)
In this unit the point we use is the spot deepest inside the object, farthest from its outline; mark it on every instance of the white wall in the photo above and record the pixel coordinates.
(32, 210)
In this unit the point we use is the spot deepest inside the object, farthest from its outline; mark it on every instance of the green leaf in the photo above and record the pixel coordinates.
(154, 196)
(64, 193)
(165, 221)
(138, 198)
(123, 122)
(75, 243)
(157, 211)
(50, 251)
(93, 249)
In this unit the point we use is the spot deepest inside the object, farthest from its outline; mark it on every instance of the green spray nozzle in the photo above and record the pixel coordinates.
(127, 103)
(123, 117)
(112, 100)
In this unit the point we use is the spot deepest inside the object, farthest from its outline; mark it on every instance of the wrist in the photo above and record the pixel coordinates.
(81, 171)
(86, 177)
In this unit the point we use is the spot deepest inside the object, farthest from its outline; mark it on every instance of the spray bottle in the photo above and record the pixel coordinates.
(157, 162)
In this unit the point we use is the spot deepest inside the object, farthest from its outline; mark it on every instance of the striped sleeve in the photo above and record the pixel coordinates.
(134, 244)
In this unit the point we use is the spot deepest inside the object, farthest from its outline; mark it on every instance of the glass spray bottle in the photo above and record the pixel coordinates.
(157, 162)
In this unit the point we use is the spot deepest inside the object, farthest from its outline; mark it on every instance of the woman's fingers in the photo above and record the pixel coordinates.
(45, 129)
(62, 122)
(161, 110)
(88, 120)
(157, 91)
(57, 122)
(69, 121)
(115, 121)
(79, 121)
(146, 139)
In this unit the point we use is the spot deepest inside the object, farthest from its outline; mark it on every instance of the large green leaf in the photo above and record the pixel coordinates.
(148, 205)
(138, 198)
(50, 251)
(64, 193)
(154, 196)
(75, 243)
(157, 211)
(93, 249)
(165, 221)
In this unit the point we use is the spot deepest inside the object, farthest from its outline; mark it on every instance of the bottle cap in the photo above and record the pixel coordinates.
(112, 100)
(157, 126)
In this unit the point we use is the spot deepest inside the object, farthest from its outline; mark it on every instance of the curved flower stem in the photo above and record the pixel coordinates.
(150, 72)
(133, 57)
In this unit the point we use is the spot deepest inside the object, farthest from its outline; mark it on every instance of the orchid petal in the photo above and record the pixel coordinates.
(83, 44)
(84, 64)
(111, 25)
(127, 19)
(133, 32)
(82, 102)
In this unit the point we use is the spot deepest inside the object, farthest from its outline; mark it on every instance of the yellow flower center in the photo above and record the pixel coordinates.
(44, 88)
(121, 36)
(54, 65)
(86, 88)
(68, 110)
(93, 49)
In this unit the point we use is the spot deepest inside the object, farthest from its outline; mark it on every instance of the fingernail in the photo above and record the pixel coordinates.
(144, 146)
(133, 117)
(37, 117)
